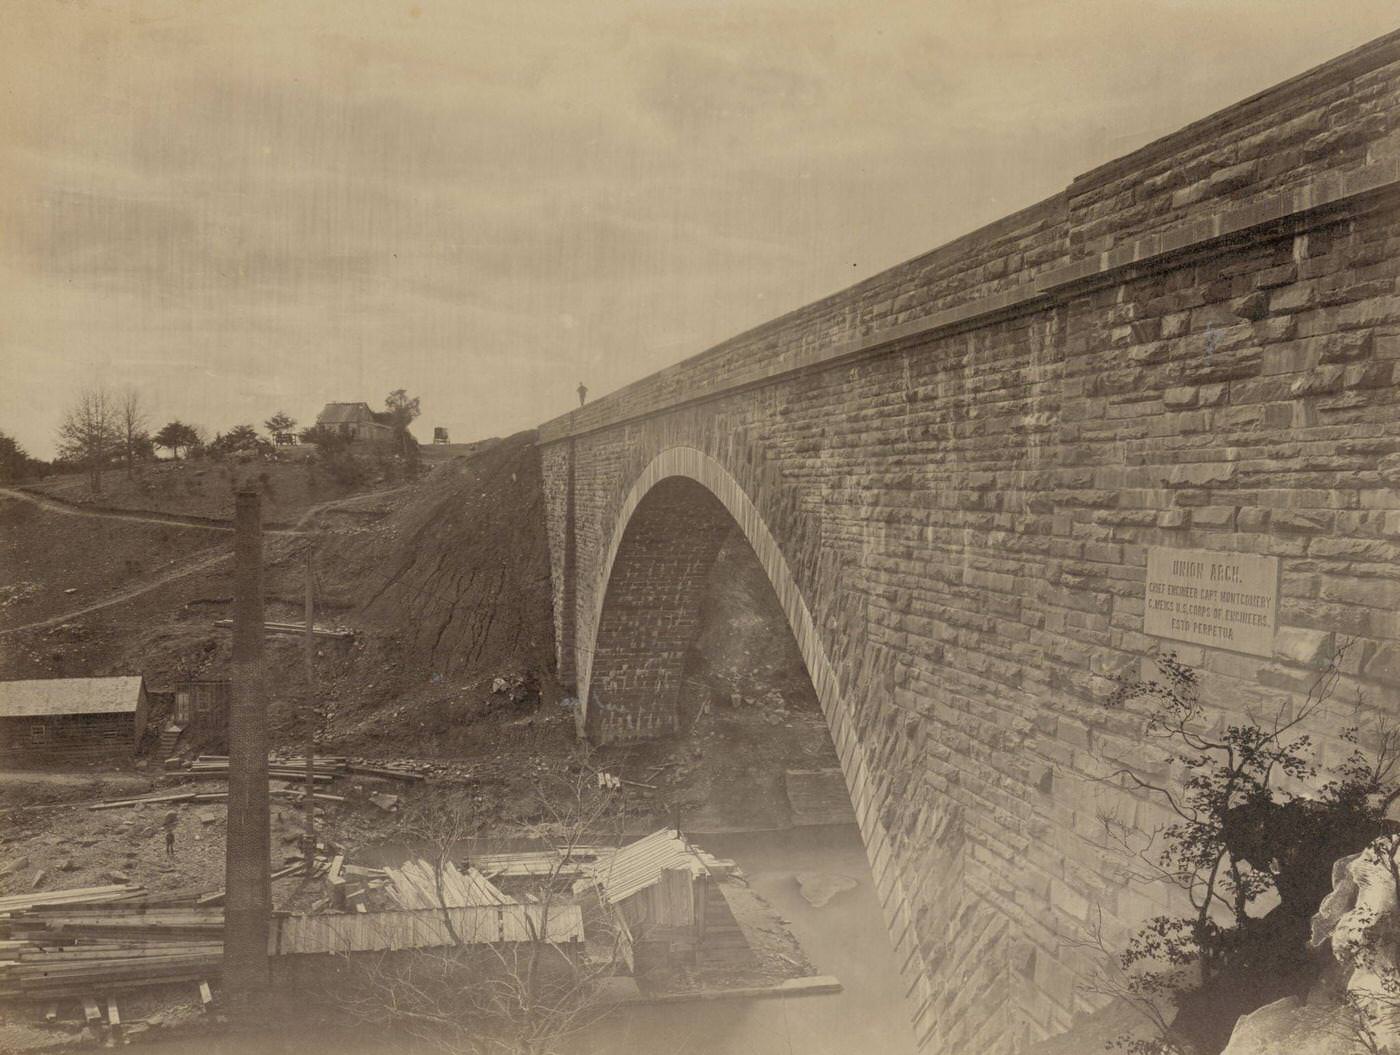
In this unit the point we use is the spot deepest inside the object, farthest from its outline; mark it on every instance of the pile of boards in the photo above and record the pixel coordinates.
(100, 939)
(537, 864)
(325, 768)
(275, 627)
(417, 884)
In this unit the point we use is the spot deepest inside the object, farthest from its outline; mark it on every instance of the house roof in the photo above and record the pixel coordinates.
(55, 696)
(341, 413)
(640, 864)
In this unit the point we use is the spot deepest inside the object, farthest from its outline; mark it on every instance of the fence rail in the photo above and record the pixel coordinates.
(422, 928)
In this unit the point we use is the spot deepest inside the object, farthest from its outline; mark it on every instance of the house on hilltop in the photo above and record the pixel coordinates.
(65, 719)
(356, 423)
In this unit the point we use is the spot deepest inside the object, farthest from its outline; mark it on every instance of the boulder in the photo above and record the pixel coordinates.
(19, 864)
(1340, 901)
(820, 887)
(1291, 1027)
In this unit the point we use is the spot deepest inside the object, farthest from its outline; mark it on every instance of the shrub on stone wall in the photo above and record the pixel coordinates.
(1256, 829)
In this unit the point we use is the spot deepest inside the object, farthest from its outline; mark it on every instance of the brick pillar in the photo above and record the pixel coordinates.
(651, 612)
(248, 895)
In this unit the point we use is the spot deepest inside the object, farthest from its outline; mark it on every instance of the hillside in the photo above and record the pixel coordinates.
(292, 482)
(445, 582)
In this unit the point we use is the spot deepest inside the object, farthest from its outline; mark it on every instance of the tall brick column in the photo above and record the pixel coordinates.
(651, 613)
(248, 897)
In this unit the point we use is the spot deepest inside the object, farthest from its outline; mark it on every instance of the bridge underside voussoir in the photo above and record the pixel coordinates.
(651, 611)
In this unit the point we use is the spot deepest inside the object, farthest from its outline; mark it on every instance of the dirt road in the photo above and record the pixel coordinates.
(54, 505)
(202, 562)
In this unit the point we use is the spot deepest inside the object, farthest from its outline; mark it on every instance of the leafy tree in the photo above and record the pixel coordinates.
(90, 433)
(241, 439)
(279, 423)
(15, 463)
(402, 410)
(176, 436)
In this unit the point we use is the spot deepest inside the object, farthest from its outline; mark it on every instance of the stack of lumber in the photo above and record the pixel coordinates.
(537, 864)
(134, 922)
(77, 948)
(415, 885)
(186, 797)
(324, 770)
(88, 895)
(169, 798)
(388, 773)
(273, 627)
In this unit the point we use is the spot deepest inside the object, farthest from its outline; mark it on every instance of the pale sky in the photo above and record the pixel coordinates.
(239, 206)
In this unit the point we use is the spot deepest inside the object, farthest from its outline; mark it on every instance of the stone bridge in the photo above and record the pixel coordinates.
(955, 474)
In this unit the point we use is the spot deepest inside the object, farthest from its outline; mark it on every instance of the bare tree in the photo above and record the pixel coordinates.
(132, 422)
(522, 997)
(90, 433)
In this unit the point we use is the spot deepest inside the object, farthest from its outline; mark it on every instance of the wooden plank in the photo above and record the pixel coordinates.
(419, 928)
(90, 1010)
(205, 997)
(114, 1017)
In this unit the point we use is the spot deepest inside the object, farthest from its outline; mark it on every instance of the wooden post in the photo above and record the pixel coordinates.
(247, 883)
(310, 642)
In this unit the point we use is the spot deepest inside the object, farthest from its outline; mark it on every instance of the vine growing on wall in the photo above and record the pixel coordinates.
(1255, 826)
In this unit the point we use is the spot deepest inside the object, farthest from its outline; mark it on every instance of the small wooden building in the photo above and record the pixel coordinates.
(202, 705)
(657, 888)
(355, 422)
(72, 719)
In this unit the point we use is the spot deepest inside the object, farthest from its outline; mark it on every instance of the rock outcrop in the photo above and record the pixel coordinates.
(1356, 1005)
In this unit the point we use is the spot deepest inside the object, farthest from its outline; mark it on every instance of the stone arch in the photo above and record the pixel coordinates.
(664, 491)
(676, 478)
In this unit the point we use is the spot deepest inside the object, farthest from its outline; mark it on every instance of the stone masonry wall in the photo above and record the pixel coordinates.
(653, 612)
(960, 466)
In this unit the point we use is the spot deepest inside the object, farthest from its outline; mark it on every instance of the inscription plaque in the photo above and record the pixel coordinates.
(1225, 600)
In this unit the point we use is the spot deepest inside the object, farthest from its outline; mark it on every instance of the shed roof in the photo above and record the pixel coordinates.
(640, 864)
(339, 413)
(54, 696)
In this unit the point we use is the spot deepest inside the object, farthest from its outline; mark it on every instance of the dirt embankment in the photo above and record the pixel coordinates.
(446, 583)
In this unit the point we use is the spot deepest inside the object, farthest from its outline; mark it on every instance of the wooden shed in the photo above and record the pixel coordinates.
(202, 704)
(657, 888)
(72, 719)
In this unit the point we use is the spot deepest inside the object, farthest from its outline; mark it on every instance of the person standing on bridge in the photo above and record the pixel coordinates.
(582, 393)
